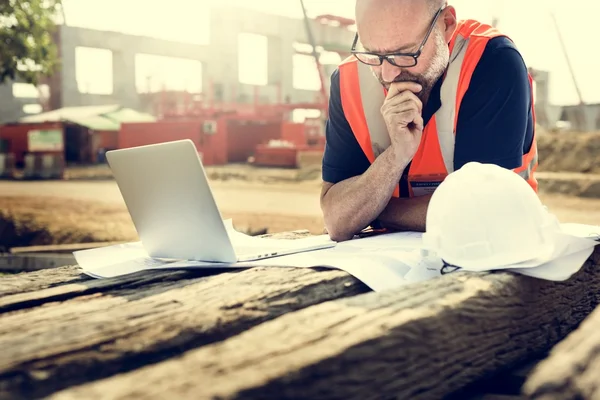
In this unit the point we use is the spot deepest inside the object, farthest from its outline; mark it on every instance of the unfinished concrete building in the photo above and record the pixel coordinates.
(281, 44)
(220, 68)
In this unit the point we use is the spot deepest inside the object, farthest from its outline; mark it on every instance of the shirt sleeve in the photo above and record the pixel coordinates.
(495, 123)
(343, 157)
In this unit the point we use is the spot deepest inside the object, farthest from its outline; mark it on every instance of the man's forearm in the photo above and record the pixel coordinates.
(405, 214)
(350, 205)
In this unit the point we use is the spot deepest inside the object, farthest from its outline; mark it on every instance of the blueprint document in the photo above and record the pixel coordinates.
(381, 262)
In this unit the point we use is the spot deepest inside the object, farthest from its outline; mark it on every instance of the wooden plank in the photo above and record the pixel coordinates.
(125, 324)
(60, 248)
(502, 384)
(34, 262)
(32, 281)
(572, 371)
(22, 301)
(423, 341)
(21, 284)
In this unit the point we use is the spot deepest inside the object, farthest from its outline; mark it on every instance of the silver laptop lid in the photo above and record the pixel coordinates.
(170, 202)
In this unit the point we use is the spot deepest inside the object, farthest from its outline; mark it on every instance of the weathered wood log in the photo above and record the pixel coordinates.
(505, 384)
(22, 283)
(85, 331)
(572, 371)
(60, 248)
(87, 286)
(34, 262)
(422, 341)
(28, 282)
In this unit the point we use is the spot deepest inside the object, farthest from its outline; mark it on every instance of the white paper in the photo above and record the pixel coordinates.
(116, 260)
(382, 262)
(564, 245)
(103, 256)
(380, 271)
(128, 258)
(581, 230)
(396, 240)
(425, 269)
(561, 269)
(249, 243)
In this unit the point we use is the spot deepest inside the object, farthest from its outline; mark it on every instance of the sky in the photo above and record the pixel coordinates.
(527, 22)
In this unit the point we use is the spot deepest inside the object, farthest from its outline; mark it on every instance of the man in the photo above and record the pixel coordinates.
(422, 95)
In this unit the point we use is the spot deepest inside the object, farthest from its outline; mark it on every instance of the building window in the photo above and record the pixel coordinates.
(299, 115)
(253, 58)
(305, 73)
(94, 70)
(25, 91)
(154, 73)
(32, 108)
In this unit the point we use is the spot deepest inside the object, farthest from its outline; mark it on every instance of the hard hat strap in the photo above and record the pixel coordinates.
(448, 268)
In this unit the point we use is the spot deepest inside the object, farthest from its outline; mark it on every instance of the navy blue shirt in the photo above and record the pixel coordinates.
(495, 122)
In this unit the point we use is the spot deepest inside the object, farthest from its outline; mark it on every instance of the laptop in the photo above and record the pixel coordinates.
(167, 194)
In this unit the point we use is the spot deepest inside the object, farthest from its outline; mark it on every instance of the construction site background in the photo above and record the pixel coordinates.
(260, 131)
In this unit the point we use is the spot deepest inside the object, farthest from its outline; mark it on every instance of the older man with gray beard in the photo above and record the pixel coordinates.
(422, 94)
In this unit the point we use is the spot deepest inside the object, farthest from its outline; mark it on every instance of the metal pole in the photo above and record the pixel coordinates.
(311, 39)
(564, 49)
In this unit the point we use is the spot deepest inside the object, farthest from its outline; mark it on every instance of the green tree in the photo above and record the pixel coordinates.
(27, 50)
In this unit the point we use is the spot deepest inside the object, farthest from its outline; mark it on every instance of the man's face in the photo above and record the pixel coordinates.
(400, 27)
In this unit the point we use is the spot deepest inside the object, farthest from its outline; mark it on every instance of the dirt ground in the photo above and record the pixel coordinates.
(28, 221)
(88, 207)
(78, 212)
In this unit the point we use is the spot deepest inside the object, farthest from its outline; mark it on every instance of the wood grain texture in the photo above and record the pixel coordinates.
(504, 383)
(90, 334)
(572, 371)
(28, 282)
(422, 341)
(55, 280)
(62, 291)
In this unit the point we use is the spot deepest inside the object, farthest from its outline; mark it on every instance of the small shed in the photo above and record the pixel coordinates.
(88, 131)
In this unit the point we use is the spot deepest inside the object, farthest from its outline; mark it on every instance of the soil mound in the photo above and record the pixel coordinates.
(569, 152)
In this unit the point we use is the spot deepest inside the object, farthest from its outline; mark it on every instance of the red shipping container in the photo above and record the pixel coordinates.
(294, 133)
(244, 135)
(276, 157)
(107, 140)
(208, 136)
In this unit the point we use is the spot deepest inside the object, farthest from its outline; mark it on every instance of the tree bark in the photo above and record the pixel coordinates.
(28, 282)
(421, 341)
(572, 371)
(87, 335)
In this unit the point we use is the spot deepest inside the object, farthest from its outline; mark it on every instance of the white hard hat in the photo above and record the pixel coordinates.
(486, 217)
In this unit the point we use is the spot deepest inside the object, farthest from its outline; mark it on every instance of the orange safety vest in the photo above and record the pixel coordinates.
(362, 97)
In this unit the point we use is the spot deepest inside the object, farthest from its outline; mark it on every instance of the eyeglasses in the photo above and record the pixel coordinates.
(403, 60)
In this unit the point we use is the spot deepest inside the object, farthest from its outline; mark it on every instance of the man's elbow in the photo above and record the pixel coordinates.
(337, 232)
(337, 229)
